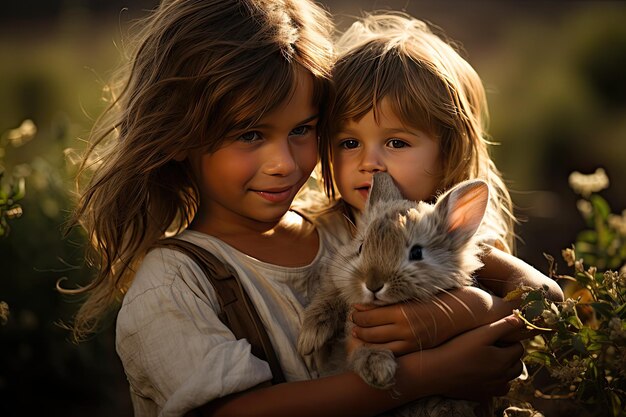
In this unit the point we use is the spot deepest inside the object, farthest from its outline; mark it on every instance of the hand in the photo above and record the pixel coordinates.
(412, 326)
(351, 344)
(401, 328)
(475, 366)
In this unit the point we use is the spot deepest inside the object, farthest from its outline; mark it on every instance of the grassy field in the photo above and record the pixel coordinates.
(554, 73)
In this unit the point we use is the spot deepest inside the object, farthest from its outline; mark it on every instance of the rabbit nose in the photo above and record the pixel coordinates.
(374, 287)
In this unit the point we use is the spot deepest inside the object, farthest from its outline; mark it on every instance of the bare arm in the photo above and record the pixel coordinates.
(412, 326)
(468, 366)
(503, 273)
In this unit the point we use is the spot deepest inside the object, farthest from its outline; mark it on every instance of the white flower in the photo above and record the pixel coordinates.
(4, 312)
(579, 265)
(569, 372)
(568, 306)
(22, 134)
(618, 222)
(569, 255)
(585, 185)
(550, 317)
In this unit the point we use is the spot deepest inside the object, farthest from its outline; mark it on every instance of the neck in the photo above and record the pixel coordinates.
(223, 228)
(291, 241)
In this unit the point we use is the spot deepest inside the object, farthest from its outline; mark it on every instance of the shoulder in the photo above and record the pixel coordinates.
(166, 280)
(161, 267)
(334, 222)
(168, 290)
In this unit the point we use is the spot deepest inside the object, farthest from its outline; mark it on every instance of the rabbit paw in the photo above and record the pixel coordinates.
(377, 367)
(312, 338)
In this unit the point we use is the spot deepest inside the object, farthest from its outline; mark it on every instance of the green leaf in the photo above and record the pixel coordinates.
(621, 311)
(20, 189)
(600, 206)
(586, 236)
(605, 237)
(579, 345)
(541, 358)
(616, 404)
(534, 295)
(583, 279)
(603, 309)
(575, 321)
(533, 309)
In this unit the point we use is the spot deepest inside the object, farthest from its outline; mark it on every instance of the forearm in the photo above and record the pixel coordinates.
(467, 308)
(412, 326)
(339, 395)
(503, 273)
(469, 366)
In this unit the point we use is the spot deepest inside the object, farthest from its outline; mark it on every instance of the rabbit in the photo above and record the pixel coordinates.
(403, 250)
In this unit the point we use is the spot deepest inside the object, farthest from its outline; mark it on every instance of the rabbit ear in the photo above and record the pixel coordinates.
(463, 208)
(383, 189)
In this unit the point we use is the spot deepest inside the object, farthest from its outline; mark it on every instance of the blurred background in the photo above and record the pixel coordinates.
(556, 85)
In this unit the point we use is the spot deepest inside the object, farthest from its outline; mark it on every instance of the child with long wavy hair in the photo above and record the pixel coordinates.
(409, 104)
(209, 138)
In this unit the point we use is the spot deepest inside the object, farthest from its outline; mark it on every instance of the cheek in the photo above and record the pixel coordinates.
(226, 167)
(422, 182)
(311, 156)
(341, 173)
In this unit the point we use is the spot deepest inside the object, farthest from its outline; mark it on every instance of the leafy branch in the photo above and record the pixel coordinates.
(580, 353)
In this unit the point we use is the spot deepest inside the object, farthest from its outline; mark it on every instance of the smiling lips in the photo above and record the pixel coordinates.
(276, 195)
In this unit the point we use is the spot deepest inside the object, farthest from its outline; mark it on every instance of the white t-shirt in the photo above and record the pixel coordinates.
(176, 352)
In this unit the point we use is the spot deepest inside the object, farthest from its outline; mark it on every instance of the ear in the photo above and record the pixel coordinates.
(383, 189)
(463, 207)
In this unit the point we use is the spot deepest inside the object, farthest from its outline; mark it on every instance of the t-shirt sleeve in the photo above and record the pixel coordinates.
(173, 346)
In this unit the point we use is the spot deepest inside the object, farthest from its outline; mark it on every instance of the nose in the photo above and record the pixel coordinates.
(280, 160)
(372, 161)
(374, 287)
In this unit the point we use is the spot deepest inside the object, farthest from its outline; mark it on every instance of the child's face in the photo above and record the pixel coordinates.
(364, 147)
(254, 177)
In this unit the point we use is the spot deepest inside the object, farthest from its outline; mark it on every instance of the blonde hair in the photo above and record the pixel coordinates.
(201, 70)
(430, 87)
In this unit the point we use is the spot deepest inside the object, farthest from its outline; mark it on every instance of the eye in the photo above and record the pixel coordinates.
(360, 248)
(397, 143)
(301, 130)
(249, 137)
(416, 253)
(349, 144)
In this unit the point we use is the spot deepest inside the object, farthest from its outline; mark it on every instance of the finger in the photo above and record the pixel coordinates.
(364, 307)
(398, 347)
(515, 371)
(492, 332)
(377, 317)
(511, 359)
(380, 334)
(520, 335)
(516, 351)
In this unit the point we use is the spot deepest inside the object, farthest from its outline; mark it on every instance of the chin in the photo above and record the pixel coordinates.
(272, 217)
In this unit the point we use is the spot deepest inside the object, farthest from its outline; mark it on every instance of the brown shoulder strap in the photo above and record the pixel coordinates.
(238, 312)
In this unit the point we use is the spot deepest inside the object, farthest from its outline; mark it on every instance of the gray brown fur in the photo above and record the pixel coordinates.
(379, 257)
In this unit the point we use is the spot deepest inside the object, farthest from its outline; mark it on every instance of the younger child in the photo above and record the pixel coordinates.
(211, 137)
(407, 103)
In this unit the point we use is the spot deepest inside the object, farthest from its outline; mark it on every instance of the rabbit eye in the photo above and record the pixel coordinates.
(416, 253)
(360, 248)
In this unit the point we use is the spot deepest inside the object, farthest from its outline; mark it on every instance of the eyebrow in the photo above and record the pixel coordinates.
(309, 119)
(305, 121)
(389, 131)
